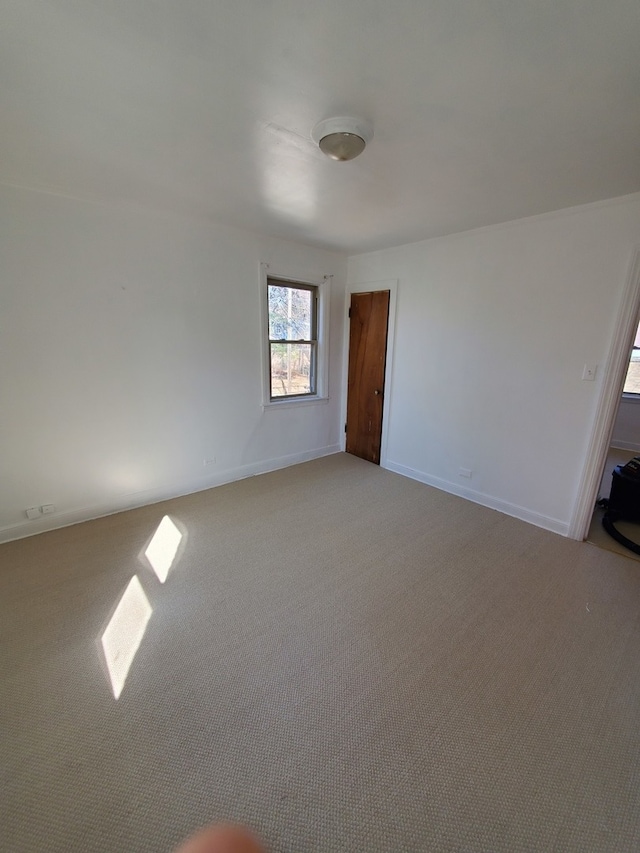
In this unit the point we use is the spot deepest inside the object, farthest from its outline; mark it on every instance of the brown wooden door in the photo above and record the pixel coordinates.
(369, 319)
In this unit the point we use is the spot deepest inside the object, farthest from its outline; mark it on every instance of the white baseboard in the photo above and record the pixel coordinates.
(547, 523)
(155, 495)
(625, 445)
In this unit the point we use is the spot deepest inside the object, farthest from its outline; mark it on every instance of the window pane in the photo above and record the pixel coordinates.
(292, 369)
(290, 313)
(632, 382)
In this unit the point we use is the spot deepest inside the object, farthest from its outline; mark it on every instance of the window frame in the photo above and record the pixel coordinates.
(311, 342)
(631, 395)
(321, 285)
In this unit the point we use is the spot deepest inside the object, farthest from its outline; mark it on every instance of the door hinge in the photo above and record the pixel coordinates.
(349, 313)
(345, 427)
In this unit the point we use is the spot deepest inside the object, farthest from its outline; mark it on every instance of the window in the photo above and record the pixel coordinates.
(632, 380)
(294, 328)
(293, 338)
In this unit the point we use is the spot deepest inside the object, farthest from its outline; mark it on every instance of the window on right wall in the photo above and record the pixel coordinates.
(632, 380)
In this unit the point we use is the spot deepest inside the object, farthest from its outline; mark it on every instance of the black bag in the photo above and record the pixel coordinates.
(624, 501)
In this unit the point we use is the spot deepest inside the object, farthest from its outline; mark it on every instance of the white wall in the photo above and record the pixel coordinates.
(130, 352)
(493, 329)
(626, 430)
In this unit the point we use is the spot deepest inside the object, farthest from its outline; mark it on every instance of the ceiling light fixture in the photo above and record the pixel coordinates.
(342, 138)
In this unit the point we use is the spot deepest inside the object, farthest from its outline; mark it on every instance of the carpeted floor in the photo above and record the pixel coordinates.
(342, 658)
(597, 535)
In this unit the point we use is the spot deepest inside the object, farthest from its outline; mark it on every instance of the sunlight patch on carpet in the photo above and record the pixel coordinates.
(163, 547)
(123, 635)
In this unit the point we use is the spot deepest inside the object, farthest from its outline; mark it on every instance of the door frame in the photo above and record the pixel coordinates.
(368, 287)
(616, 365)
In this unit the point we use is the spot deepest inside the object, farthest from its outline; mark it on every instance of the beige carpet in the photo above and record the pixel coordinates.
(342, 658)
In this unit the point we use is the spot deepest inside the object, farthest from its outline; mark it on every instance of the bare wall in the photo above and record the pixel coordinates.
(130, 352)
(493, 330)
(626, 429)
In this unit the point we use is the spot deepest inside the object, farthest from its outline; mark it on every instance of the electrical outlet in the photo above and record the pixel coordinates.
(465, 472)
(589, 372)
(33, 512)
(47, 509)
(210, 460)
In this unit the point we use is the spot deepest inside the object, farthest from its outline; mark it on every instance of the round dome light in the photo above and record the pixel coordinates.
(342, 138)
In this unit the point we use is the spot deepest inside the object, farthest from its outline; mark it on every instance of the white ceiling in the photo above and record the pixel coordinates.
(483, 110)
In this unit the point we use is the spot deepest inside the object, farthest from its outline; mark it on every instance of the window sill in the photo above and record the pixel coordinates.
(299, 402)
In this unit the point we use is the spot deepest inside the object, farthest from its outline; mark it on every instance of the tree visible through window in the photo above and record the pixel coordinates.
(293, 339)
(632, 381)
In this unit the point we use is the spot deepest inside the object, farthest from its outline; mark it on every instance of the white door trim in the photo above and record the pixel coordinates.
(368, 287)
(613, 380)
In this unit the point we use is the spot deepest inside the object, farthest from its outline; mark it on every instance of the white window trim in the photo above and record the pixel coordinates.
(323, 284)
